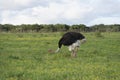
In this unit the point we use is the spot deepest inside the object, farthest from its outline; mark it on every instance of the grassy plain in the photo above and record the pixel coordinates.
(25, 56)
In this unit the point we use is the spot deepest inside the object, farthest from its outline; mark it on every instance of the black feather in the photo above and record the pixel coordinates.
(70, 38)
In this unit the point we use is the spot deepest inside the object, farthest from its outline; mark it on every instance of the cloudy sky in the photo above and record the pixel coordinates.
(88, 12)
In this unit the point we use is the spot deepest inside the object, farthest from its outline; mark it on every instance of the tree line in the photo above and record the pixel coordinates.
(58, 28)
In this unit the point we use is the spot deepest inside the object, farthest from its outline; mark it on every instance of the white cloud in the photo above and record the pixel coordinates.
(87, 12)
(106, 20)
(14, 4)
(54, 13)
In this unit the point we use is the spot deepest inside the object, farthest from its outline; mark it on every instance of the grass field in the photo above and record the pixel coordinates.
(25, 56)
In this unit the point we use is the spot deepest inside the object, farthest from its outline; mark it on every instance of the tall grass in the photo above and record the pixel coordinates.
(25, 56)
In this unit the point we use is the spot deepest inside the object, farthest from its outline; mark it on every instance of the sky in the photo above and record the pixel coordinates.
(88, 12)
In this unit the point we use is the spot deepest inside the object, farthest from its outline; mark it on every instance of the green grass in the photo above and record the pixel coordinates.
(25, 56)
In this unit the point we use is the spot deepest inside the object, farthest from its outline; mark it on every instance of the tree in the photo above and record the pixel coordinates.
(7, 27)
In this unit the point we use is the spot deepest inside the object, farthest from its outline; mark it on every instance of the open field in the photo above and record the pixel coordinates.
(25, 56)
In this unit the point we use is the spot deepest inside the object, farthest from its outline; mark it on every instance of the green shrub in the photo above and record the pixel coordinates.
(98, 34)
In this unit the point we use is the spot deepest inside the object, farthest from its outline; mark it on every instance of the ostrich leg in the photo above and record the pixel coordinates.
(73, 54)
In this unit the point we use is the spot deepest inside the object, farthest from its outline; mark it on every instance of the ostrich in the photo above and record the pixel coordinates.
(72, 40)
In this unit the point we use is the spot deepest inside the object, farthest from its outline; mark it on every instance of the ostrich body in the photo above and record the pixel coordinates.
(72, 40)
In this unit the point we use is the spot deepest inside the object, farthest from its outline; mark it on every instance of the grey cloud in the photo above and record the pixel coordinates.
(59, 11)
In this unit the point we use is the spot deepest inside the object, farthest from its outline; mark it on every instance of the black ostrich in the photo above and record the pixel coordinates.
(72, 40)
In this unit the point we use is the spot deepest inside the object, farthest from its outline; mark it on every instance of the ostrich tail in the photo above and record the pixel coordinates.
(83, 40)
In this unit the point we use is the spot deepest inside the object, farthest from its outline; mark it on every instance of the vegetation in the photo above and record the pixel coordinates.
(26, 56)
(58, 28)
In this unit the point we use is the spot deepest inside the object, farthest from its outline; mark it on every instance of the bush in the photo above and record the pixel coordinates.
(98, 34)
